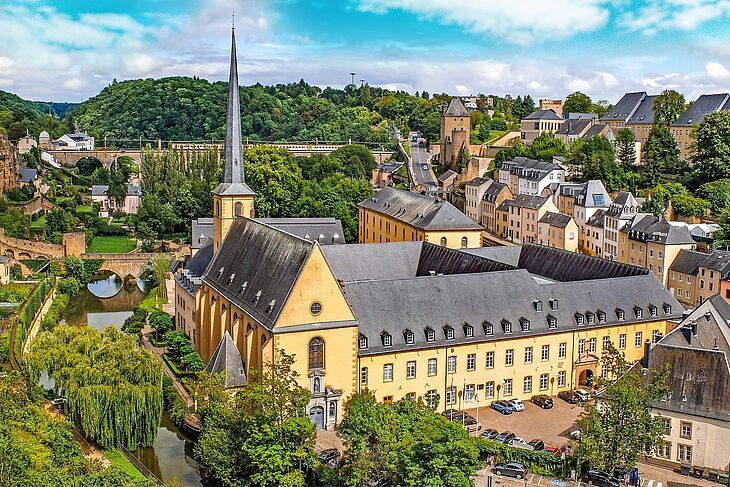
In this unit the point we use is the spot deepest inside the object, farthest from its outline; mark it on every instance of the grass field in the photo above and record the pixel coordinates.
(84, 209)
(39, 223)
(118, 459)
(152, 302)
(112, 245)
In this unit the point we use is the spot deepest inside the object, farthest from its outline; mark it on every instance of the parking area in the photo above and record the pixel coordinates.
(553, 426)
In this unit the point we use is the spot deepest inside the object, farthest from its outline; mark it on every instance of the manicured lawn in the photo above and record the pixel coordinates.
(112, 245)
(39, 223)
(118, 459)
(152, 302)
(84, 209)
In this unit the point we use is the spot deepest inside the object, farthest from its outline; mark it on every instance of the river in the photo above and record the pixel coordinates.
(105, 301)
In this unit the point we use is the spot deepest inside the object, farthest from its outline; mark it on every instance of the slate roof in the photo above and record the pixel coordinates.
(699, 380)
(625, 108)
(493, 191)
(596, 130)
(532, 202)
(478, 181)
(647, 227)
(226, 358)
(556, 219)
(702, 106)
(571, 189)
(644, 113)
(717, 260)
(563, 265)
(202, 232)
(326, 231)
(506, 254)
(624, 206)
(598, 219)
(28, 175)
(446, 175)
(268, 261)
(523, 166)
(456, 109)
(543, 115)
(200, 261)
(477, 300)
(574, 127)
(687, 261)
(593, 195)
(420, 211)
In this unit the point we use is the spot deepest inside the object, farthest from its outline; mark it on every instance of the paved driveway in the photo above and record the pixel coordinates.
(552, 426)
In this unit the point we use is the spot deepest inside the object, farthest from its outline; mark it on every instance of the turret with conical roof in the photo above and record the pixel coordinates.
(455, 130)
(233, 197)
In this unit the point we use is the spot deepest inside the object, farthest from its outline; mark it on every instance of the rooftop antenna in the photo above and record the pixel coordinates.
(233, 20)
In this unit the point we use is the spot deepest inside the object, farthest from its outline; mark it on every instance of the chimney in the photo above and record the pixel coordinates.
(647, 354)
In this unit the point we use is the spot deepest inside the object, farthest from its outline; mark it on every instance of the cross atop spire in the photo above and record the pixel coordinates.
(234, 181)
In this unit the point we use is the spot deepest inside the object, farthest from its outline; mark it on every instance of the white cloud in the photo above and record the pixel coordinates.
(518, 21)
(140, 64)
(461, 90)
(6, 83)
(717, 71)
(682, 15)
(5, 64)
(74, 84)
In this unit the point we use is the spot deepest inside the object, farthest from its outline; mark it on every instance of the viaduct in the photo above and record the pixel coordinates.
(74, 245)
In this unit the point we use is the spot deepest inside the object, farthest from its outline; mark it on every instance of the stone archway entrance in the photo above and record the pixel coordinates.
(586, 378)
(316, 416)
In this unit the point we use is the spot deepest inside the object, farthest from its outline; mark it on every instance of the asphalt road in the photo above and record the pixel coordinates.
(419, 156)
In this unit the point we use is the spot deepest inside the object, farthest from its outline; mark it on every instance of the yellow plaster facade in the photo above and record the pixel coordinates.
(225, 210)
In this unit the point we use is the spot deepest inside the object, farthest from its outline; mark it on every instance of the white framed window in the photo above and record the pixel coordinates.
(388, 373)
(432, 398)
(606, 342)
(562, 349)
(471, 362)
(449, 333)
(544, 382)
(451, 364)
(561, 378)
(684, 453)
(363, 342)
(592, 345)
(411, 369)
(637, 339)
(468, 331)
(508, 387)
(509, 356)
(432, 367)
(527, 384)
(430, 335)
(489, 389)
(528, 355)
(581, 346)
(410, 337)
(545, 353)
(490, 360)
(604, 371)
(622, 341)
(654, 336)
(469, 392)
(364, 376)
(685, 430)
(387, 340)
(450, 395)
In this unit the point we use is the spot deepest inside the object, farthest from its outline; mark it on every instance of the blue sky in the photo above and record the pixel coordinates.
(66, 50)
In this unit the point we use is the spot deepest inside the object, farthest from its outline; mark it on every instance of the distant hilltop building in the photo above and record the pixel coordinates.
(554, 105)
(75, 141)
(26, 143)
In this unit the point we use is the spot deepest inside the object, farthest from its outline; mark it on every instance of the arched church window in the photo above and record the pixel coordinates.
(316, 353)
(238, 209)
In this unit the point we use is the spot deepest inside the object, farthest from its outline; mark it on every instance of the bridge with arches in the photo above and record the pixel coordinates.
(69, 158)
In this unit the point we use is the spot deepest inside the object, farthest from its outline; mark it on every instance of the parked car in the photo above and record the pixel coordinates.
(503, 407)
(511, 469)
(517, 404)
(545, 402)
(537, 444)
(575, 434)
(504, 437)
(453, 414)
(555, 450)
(600, 478)
(518, 442)
(470, 424)
(424, 167)
(582, 394)
(489, 434)
(329, 457)
(568, 396)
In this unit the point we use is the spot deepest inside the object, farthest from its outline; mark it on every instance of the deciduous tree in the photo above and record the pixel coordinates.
(626, 148)
(667, 107)
(712, 148)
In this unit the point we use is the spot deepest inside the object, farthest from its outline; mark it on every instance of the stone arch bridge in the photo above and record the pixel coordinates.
(74, 245)
(69, 158)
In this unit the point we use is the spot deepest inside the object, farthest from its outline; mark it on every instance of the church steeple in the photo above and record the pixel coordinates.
(233, 197)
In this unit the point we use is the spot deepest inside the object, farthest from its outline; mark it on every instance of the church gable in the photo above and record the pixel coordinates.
(316, 296)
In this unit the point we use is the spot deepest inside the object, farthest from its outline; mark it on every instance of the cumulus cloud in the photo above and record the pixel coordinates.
(717, 71)
(518, 21)
(682, 15)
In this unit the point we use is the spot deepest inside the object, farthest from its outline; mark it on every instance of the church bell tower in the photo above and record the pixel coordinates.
(233, 197)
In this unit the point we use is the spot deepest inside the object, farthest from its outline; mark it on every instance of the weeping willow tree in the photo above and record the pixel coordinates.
(112, 385)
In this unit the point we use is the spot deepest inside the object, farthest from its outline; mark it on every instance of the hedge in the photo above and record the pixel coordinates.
(27, 313)
(537, 462)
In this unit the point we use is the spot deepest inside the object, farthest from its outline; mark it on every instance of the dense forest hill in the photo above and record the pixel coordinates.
(18, 116)
(184, 108)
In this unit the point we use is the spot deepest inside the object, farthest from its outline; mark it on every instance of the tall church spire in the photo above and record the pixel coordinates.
(234, 181)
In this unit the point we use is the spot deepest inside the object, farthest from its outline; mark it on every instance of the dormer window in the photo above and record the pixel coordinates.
(638, 312)
(409, 337)
(552, 321)
(579, 319)
(525, 324)
(667, 309)
(653, 310)
(553, 304)
(430, 335)
(468, 330)
(620, 314)
(591, 318)
(448, 332)
(243, 287)
(601, 316)
(537, 304)
(231, 278)
(257, 296)
(272, 303)
(488, 328)
(506, 326)
(387, 339)
(221, 271)
(362, 342)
